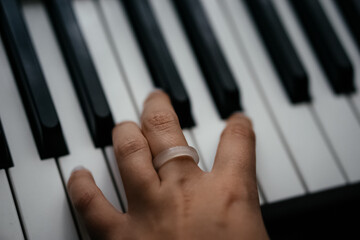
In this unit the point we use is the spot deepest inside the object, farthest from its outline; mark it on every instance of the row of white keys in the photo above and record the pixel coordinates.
(128, 51)
(209, 124)
(82, 150)
(10, 227)
(316, 162)
(334, 112)
(272, 157)
(37, 183)
(348, 42)
(113, 82)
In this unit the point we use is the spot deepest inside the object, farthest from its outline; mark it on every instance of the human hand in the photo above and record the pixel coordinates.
(179, 201)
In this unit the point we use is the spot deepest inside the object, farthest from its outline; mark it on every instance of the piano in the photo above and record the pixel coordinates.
(71, 69)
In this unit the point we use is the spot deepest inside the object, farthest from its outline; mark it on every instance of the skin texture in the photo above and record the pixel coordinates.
(179, 201)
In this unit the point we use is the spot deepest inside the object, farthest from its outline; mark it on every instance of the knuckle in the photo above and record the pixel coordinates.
(249, 195)
(160, 121)
(236, 193)
(130, 147)
(239, 130)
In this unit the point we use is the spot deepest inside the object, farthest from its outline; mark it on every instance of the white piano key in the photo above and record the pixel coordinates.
(110, 75)
(37, 183)
(128, 51)
(302, 134)
(272, 157)
(334, 111)
(261, 198)
(10, 227)
(82, 151)
(112, 80)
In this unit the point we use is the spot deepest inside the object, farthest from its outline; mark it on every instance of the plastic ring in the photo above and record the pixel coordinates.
(173, 153)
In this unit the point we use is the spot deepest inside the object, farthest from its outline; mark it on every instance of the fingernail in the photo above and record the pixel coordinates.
(78, 168)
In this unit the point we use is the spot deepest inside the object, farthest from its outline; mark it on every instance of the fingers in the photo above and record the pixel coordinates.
(134, 160)
(161, 127)
(236, 151)
(98, 214)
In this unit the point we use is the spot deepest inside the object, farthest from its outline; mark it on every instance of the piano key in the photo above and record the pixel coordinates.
(325, 43)
(218, 76)
(350, 47)
(111, 77)
(350, 10)
(84, 75)
(129, 55)
(344, 113)
(271, 152)
(261, 198)
(35, 95)
(82, 151)
(10, 226)
(291, 72)
(305, 140)
(5, 156)
(37, 184)
(159, 61)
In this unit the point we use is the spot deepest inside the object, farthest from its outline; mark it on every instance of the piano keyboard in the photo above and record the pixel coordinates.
(71, 69)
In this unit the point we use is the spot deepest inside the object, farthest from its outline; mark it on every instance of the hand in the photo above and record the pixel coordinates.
(179, 201)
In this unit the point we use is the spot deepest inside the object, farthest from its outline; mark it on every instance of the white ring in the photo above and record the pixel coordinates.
(173, 153)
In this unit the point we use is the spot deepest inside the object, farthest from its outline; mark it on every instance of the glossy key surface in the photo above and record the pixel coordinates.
(291, 71)
(218, 76)
(84, 75)
(41, 112)
(159, 61)
(331, 54)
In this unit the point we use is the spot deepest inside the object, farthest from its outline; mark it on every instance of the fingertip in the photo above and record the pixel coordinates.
(78, 168)
(78, 176)
(240, 117)
(157, 93)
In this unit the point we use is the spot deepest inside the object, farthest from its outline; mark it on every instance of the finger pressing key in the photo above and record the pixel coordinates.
(95, 210)
(160, 125)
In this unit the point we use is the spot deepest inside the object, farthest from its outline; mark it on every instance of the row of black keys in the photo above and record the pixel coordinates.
(41, 111)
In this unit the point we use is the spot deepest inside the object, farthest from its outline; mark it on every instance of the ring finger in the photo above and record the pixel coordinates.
(160, 125)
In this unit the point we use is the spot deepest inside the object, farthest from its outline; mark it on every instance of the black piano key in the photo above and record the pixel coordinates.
(350, 9)
(40, 109)
(83, 73)
(5, 157)
(158, 58)
(216, 71)
(286, 61)
(330, 52)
